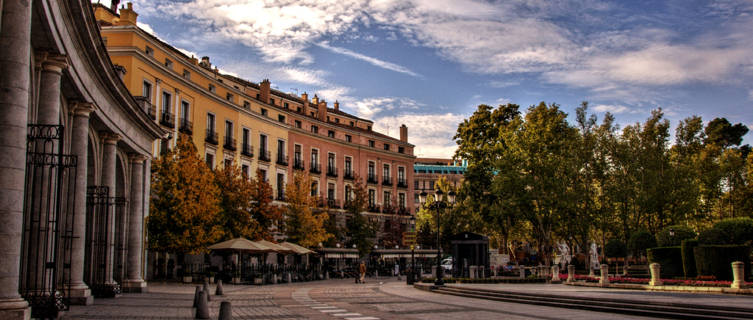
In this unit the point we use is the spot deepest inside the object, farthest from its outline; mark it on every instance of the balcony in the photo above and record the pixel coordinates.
(373, 208)
(280, 195)
(387, 209)
(298, 164)
(315, 168)
(185, 126)
(230, 143)
(211, 137)
(247, 150)
(167, 120)
(403, 211)
(333, 203)
(372, 179)
(264, 155)
(386, 181)
(348, 175)
(402, 183)
(147, 106)
(332, 171)
(282, 159)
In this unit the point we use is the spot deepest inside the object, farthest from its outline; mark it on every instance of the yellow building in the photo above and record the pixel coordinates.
(222, 114)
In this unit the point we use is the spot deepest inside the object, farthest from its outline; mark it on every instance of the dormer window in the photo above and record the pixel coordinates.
(168, 64)
(149, 51)
(264, 112)
(212, 88)
(186, 74)
(331, 134)
(229, 97)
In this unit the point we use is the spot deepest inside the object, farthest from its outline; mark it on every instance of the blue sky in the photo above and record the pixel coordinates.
(429, 63)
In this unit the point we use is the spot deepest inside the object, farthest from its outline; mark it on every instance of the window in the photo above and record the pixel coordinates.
(212, 88)
(168, 63)
(415, 184)
(272, 101)
(264, 112)
(331, 161)
(146, 91)
(228, 163)
(210, 122)
(229, 97)
(281, 118)
(348, 166)
(386, 199)
(314, 157)
(314, 129)
(297, 154)
(371, 170)
(257, 96)
(244, 170)
(372, 197)
(149, 51)
(245, 137)
(166, 102)
(220, 80)
(431, 185)
(298, 109)
(246, 105)
(337, 120)
(386, 171)
(368, 128)
(401, 149)
(348, 138)
(330, 133)
(314, 188)
(348, 191)
(352, 124)
(263, 174)
(415, 198)
(229, 129)
(387, 146)
(236, 87)
(298, 124)
(280, 186)
(281, 154)
(286, 105)
(262, 144)
(330, 191)
(401, 200)
(184, 111)
(187, 74)
(313, 114)
(401, 174)
(210, 160)
(371, 143)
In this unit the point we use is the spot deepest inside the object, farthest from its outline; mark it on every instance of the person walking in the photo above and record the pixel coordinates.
(362, 271)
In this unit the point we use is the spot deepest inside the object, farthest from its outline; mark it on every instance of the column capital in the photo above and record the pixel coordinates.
(157, 80)
(137, 157)
(109, 137)
(55, 63)
(82, 109)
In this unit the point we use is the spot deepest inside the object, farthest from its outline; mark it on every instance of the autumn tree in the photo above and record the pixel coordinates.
(361, 230)
(184, 207)
(236, 217)
(303, 225)
(263, 211)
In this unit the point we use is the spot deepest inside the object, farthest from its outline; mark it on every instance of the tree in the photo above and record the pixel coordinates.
(362, 232)
(267, 215)
(236, 217)
(302, 224)
(185, 203)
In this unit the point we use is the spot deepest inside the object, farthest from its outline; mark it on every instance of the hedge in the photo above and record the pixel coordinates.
(716, 260)
(688, 257)
(640, 241)
(615, 249)
(670, 259)
(679, 233)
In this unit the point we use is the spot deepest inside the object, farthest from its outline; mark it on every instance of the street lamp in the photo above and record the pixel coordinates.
(439, 205)
(412, 275)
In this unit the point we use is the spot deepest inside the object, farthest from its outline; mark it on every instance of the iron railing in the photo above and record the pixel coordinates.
(211, 137)
(315, 168)
(167, 119)
(348, 175)
(185, 126)
(372, 178)
(264, 155)
(402, 183)
(247, 150)
(298, 164)
(386, 181)
(331, 171)
(230, 143)
(282, 159)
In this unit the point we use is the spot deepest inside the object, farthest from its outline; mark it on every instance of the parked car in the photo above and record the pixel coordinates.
(447, 265)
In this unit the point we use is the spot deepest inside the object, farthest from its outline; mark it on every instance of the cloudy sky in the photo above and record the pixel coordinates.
(429, 63)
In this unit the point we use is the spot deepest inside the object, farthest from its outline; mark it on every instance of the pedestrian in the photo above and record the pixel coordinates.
(362, 271)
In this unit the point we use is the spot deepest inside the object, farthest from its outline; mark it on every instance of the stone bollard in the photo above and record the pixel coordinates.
(591, 271)
(556, 274)
(274, 279)
(206, 290)
(522, 272)
(738, 274)
(482, 272)
(326, 275)
(655, 274)
(218, 291)
(196, 296)
(604, 280)
(472, 270)
(202, 309)
(226, 311)
(290, 277)
(570, 273)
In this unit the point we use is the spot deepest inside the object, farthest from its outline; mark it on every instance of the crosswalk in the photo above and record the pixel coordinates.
(302, 296)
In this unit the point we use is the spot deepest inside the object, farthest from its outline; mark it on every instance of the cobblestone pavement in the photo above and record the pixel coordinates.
(319, 300)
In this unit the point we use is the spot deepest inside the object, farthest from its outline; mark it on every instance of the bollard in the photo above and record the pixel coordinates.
(472, 270)
(738, 275)
(655, 274)
(196, 296)
(202, 310)
(218, 291)
(522, 272)
(226, 311)
(556, 274)
(274, 279)
(434, 272)
(604, 275)
(570, 273)
(591, 273)
(290, 277)
(326, 275)
(206, 290)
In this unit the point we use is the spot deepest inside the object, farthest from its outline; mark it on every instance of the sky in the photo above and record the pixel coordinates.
(429, 63)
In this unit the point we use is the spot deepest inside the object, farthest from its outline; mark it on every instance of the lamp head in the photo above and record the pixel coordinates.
(422, 196)
(451, 197)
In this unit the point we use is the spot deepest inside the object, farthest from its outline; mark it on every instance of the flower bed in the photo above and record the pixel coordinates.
(487, 280)
(667, 282)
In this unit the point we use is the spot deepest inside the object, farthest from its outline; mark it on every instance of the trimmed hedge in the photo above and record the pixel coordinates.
(640, 241)
(736, 230)
(688, 257)
(716, 260)
(670, 259)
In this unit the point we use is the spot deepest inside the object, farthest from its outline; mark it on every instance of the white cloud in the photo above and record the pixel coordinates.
(615, 109)
(502, 83)
(750, 94)
(369, 108)
(146, 28)
(374, 61)
(430, 133)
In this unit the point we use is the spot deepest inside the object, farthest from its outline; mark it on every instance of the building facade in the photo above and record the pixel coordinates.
(75, 164)
(427, 171)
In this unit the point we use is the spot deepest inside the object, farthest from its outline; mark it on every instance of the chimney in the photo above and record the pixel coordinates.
(128, 17)
(114, 5)
(323, 110)
(194, 61)
(205, 62)
(404, 133)
(315, 101)
(337, 105)
(264, 90)
(305, 98)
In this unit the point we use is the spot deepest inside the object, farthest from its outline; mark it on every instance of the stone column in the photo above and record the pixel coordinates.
(176, 120)
(135, 282)
(80, 293)
(604, 270)
(570, 273)
(109, 159)
(146, 198)
(556, 273)
(738, 274)
(655, 274)
(15, 52)
(48, 110)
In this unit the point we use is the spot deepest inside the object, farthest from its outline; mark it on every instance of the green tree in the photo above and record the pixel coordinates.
(185, 203)
(302, 224)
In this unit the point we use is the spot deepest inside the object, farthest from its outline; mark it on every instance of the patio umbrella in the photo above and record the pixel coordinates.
(274, 247)
(240, 244)
(296, 248)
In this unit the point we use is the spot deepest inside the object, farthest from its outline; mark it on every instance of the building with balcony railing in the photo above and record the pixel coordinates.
(298, 164)
(247, 150)
(167, 119)
(282, 159)
(185, 126)
(315, 168)
(264, 155)
(332, 171)
(427, 171)
(230, 143)
(211, 137)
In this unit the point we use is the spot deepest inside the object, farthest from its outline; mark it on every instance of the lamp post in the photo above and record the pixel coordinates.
(412, 275)
(439, 205)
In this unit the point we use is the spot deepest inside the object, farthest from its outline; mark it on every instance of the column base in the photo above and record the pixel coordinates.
(15, 309)
(81, 295)
(134, 286)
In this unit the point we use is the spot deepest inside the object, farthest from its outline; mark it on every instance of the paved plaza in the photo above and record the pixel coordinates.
(331, 299)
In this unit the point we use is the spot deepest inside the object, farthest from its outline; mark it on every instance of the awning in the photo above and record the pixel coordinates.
(340, 255)
(240, 244)
(408, 256)
(296, 248)
(275, 247)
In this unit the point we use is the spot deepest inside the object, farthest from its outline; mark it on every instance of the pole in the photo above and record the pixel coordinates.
(439, 281)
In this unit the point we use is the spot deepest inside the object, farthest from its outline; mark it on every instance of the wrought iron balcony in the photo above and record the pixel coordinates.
(186, 126)
(280, 194)
(402, 183)
(247, 150)
(315, 168)
(298, 164)
(374, 208)
(403, 211)
(230, 143)
(333, 203)
(386, 181)
(372, 179)
(167, 120)
(387, 209)
(331, 171)
(348, 175)
(211, 137)
(282, 159)
(264, 155)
